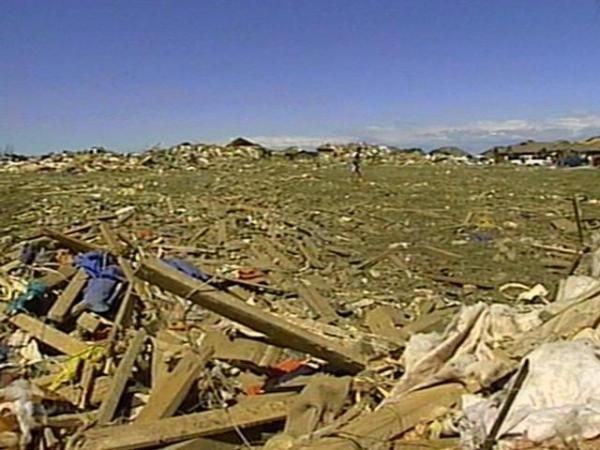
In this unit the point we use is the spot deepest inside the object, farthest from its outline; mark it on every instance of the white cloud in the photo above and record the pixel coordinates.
(488, 132)
(475, 135)
(279, 142)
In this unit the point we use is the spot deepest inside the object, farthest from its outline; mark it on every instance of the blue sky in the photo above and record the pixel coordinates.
(128, 74)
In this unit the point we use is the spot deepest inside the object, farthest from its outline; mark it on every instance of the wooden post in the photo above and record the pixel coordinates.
(119, 380)
(61, 307)
(166, 397)
(578, 217)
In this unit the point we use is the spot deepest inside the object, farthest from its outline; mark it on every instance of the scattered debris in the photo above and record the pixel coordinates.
(136, 317)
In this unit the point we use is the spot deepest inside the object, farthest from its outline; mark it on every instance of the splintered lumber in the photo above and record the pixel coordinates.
(319, 402)
(166, 397)
(307, 248)
(180, 428)
(123, 314)
(73, 244)
(119, 380)
(242, 350)
(380, 322)
(370, 262)
(87, 381)
(113, 243)
(204, 444)
(90, 322)
(60, 309)
(53, 279)
(390, 421)
(315, 301)
(48, 335)
(278, 330)
(578, 218)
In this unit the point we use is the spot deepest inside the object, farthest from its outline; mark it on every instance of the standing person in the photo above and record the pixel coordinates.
(356, 162)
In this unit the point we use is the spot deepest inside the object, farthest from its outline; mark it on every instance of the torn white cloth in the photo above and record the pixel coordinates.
(559, 400)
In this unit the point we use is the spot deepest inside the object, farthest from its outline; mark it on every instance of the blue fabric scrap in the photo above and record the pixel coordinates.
(187, 268)
(104, 275)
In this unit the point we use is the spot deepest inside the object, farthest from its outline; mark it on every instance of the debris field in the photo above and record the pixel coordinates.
(267, 303)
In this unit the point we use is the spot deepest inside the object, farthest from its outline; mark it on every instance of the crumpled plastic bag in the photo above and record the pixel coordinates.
(559, 400)
(465, 351)
(18, 401)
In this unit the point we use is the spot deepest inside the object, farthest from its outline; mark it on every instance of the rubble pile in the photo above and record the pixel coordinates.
(182, 157)
(242, 321)
(187, 156)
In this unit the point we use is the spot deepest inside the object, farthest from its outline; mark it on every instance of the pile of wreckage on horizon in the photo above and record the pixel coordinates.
(194, 156)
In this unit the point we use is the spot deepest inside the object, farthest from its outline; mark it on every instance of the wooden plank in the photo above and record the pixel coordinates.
(90, 322)
(319, 402)
(87, 383)
(115, 247)
(54, 279)
(176, 429)
(123, 316)
(380, 322)
(65, 301)
(48, 335)
(310, 255)
(372, 261)
(578, 218)
(168, 395)
(316, 302)
(73, 244)
(279, 331)
(204, 444)
(242, 350)
(390, 421)
(110, 403)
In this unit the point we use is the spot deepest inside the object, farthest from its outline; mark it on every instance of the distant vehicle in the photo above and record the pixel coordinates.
(531, 162)
(538, 162)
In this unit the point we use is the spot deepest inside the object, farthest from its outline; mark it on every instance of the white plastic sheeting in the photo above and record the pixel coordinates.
(558, 402)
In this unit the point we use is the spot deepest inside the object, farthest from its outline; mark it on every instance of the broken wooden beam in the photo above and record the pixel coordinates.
(166, 397)
(48, 335)
(390, 421)
(115, 247)
(578, 218)
(318, 404)
(73, 244)
(176, 429)
(119, 380)
(380, 322)
(54, 279)
(65, 301)
(278, 330)
(316, 302)
(370, 262)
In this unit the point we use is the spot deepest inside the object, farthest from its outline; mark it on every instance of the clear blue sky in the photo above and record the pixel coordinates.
(128, 74)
